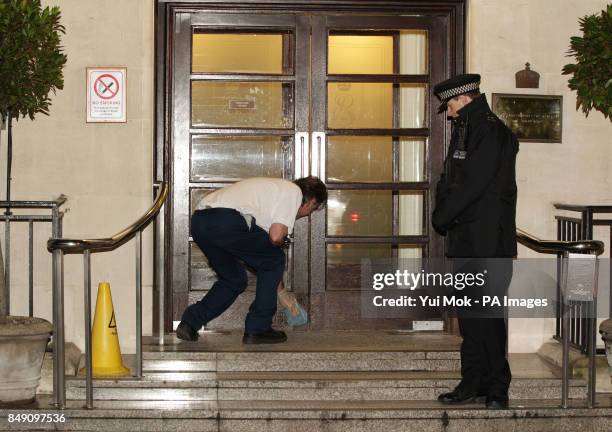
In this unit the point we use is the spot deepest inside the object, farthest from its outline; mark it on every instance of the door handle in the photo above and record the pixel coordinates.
(319, 152)
(302, 152)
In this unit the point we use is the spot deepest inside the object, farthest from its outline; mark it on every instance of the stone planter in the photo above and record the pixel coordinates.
(22, 347)
(606, 334)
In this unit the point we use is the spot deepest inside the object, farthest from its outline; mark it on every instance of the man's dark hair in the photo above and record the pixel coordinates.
(312, 187)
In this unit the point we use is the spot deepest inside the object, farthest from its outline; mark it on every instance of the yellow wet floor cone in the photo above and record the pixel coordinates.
(106, 353)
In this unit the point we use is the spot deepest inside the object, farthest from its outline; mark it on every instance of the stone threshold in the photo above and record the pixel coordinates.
(314, 341)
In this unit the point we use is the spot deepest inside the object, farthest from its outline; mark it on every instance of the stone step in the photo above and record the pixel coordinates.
(314, 416)
(378, 350)
(301, 361)
(323, 386)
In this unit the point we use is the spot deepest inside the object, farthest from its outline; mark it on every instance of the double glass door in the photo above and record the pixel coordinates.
(346, 98)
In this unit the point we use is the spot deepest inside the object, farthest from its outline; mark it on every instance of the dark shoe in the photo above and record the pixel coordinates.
(457, 397)
(267, 337)
(186, 333)
(497, 402)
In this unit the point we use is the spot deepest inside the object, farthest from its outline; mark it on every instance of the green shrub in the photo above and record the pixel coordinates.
(592, 73)
(31, 57)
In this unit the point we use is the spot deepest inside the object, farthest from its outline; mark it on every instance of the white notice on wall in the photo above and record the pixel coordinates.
(106, 95)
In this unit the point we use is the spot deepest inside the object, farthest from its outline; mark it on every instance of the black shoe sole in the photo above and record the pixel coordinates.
(497, 406)
(473, 399)
(186, 338)
(186, 335)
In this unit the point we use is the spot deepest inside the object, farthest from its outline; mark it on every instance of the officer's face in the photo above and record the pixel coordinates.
(452, 106)
(455, 104)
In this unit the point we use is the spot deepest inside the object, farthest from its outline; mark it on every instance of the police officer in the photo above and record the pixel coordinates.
(475, 209)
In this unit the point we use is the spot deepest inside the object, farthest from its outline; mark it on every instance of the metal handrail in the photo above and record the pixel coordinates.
(59, 247)
(564, 249)
(595, 247)
(8, 217)
(34, 204)
(111, 243)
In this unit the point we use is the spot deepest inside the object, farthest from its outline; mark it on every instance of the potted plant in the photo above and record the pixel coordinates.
(592, 72)
(31, 63)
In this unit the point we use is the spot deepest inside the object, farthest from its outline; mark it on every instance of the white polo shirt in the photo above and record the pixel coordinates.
(268, 200)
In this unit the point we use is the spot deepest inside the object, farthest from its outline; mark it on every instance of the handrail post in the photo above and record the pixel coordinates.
(592, 335)
(31, 268)
(138, 244)
(565, 361)
(88, 353)
(59, 372)
(565, 331)
(592, 341)
(160, 252)
(7, 261)
(59, 387)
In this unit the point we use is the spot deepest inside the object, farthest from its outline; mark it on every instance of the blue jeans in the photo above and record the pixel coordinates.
(226, 239)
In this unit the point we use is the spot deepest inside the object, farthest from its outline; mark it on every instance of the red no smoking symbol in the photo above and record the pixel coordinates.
(106, 86)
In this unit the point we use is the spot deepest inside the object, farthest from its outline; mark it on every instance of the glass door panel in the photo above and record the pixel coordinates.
(367, 159)
(412, 157)
(376, 52)
(370, 213)
(359, 213)
(354, 54)
(359, 159)
(248, 52)
(413, 51)
(344, 260)
(241, 104)
(197, 194)
(233, 158)
(411, 220)
(413, 106)
(353, 105)
(375, 79)
(237, 80)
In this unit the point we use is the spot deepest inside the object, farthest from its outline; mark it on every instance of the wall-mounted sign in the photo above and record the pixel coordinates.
(106, 95)
(533, 118)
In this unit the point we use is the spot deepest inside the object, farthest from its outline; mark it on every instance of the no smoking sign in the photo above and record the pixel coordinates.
(106, 86)
(106, 95)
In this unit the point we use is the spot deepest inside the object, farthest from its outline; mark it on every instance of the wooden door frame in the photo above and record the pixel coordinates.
(451, 12)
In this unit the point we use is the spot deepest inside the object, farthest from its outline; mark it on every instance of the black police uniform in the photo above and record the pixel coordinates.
(475, 209)
(476, 196)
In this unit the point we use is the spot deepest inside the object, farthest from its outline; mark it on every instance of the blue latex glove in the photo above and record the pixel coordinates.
(296, 320)
(294, 312)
